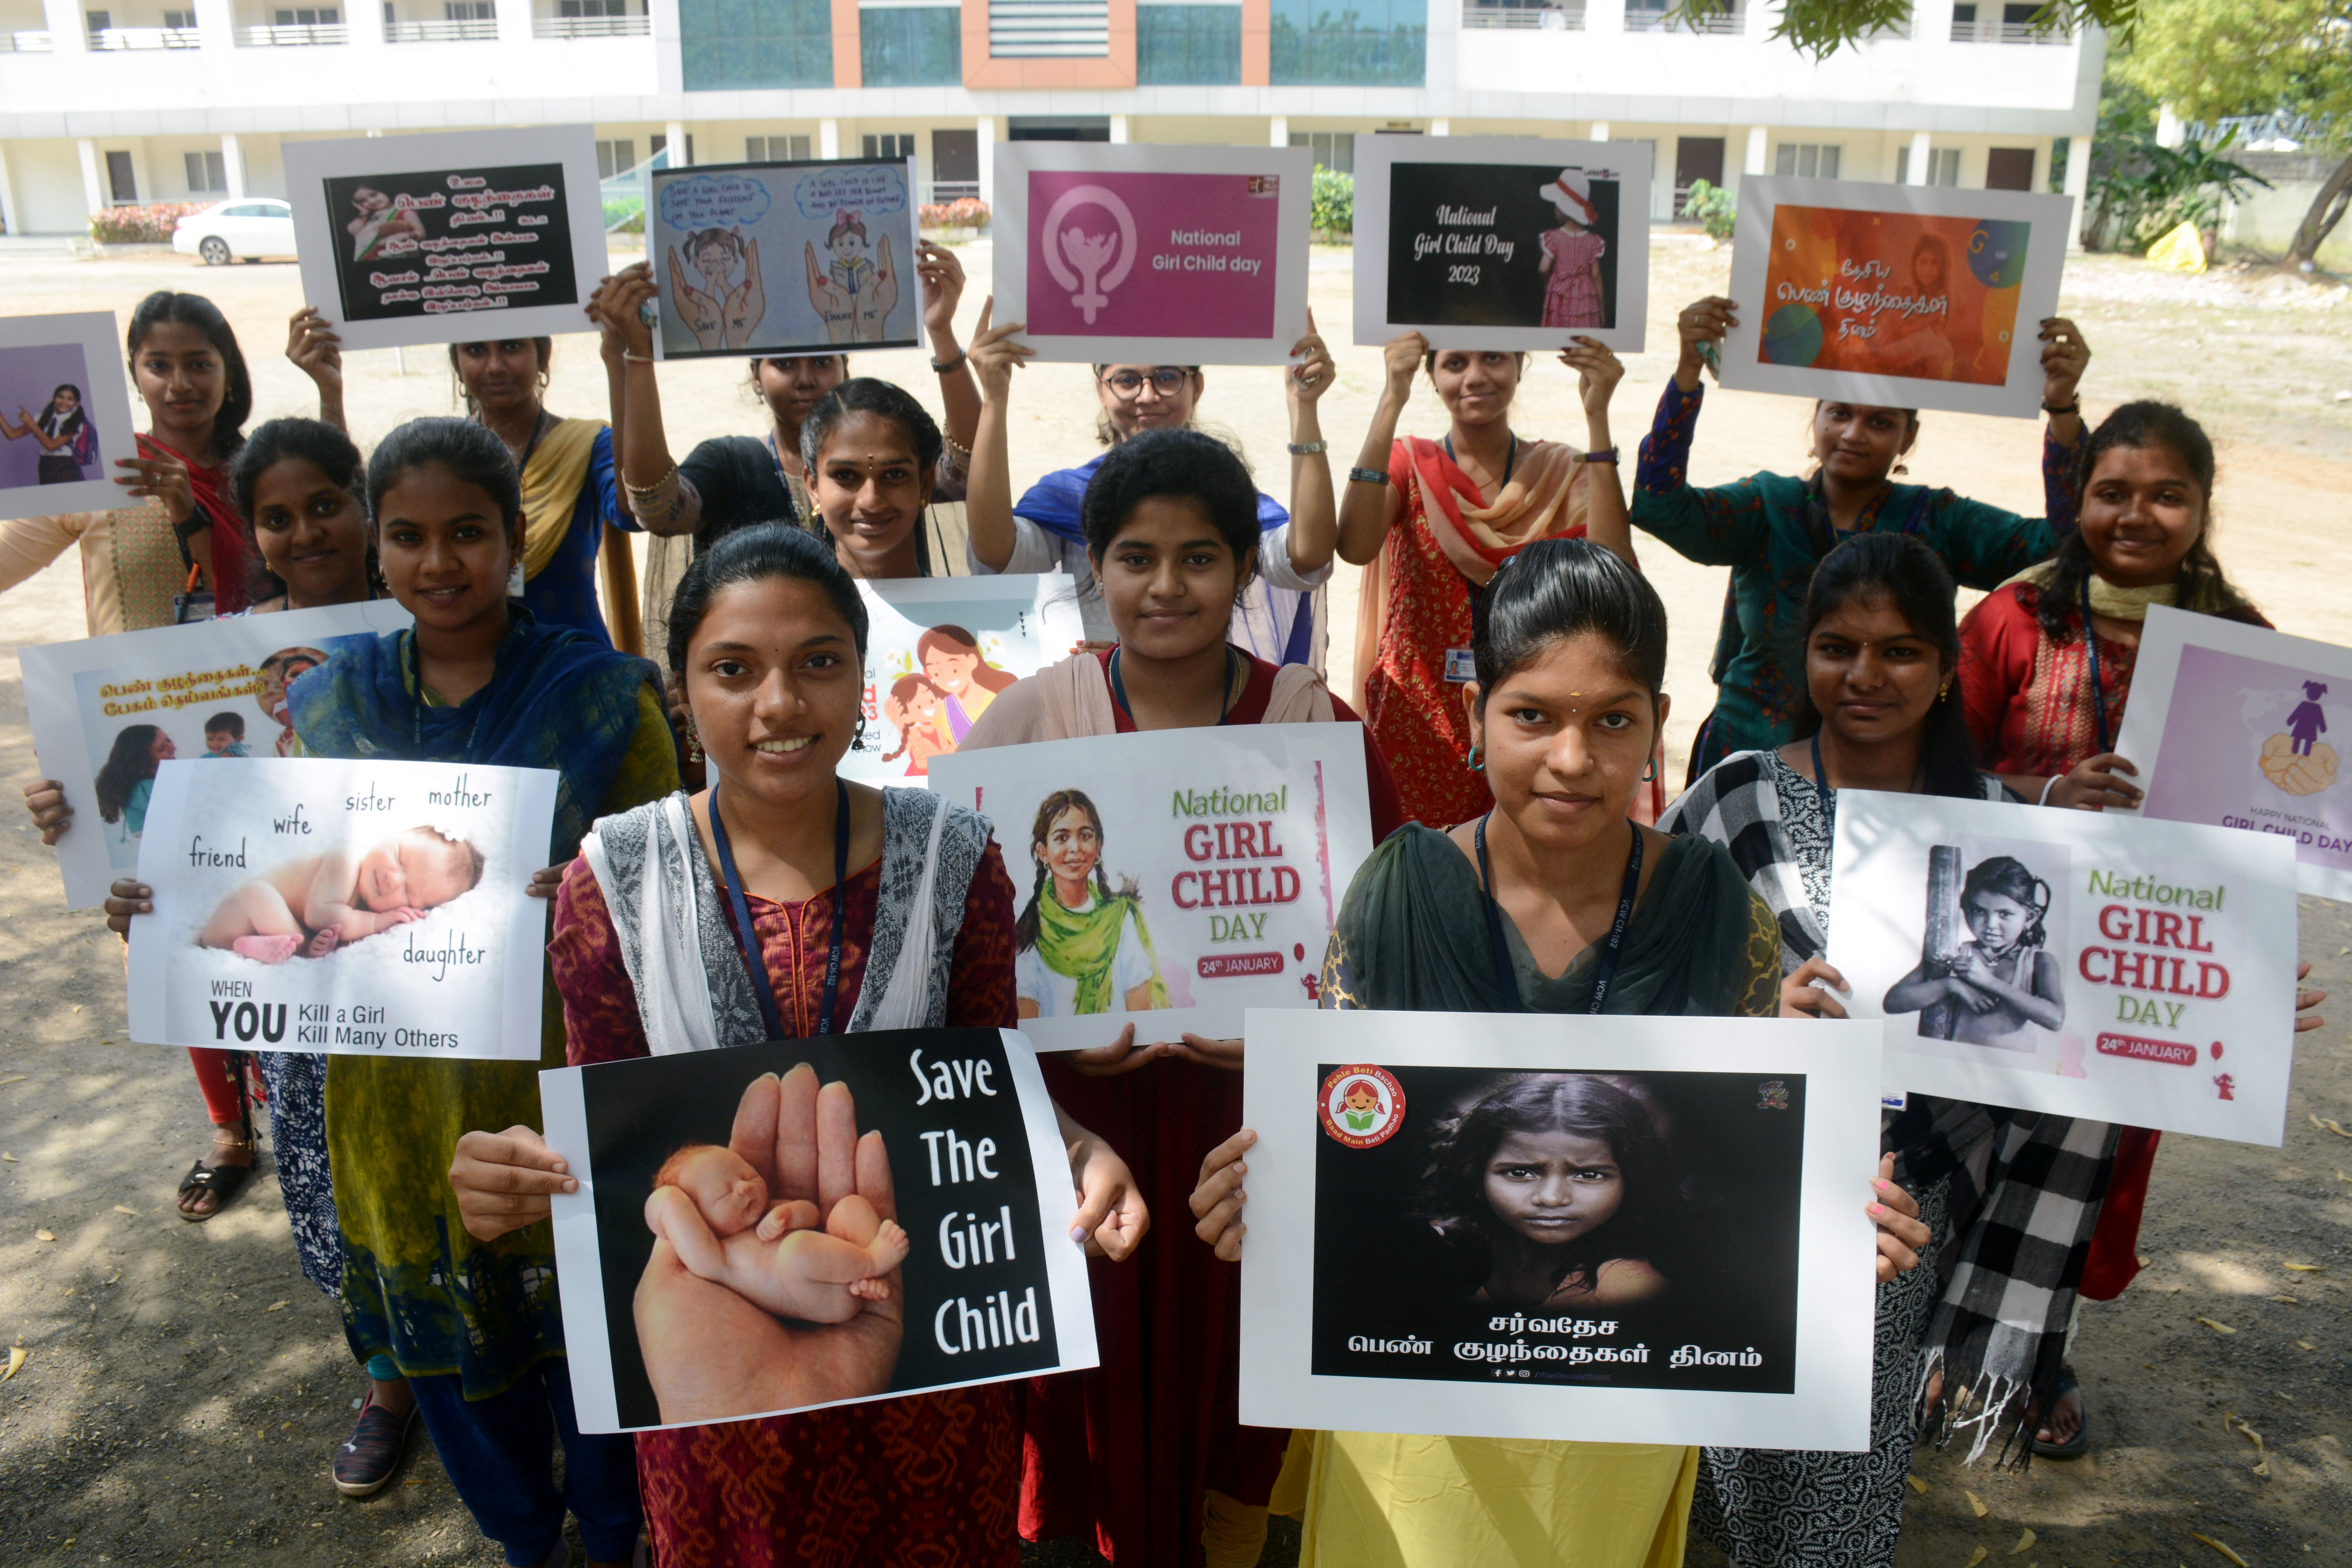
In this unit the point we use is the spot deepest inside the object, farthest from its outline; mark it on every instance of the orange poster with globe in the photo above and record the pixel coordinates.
(1909, 296)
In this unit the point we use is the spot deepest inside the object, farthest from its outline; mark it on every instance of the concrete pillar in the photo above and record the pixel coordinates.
(1118, 130)
(1917, 174)
(2078, 186)
(1599, 131)
(828, 138)
(1278, 132)
(675, 142)
(1441, 127)
(68, 30)
(233, 163)
(514, 22)
(93, 176)
(216, 25)
(986, 126)
(11, 220)
(1759, 141)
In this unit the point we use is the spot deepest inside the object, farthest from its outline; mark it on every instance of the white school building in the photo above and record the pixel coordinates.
(144, 102)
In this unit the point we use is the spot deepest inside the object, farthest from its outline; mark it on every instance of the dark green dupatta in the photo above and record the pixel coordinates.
(1412, 937)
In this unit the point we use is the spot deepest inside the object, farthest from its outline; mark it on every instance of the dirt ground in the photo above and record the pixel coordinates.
(182, 1386)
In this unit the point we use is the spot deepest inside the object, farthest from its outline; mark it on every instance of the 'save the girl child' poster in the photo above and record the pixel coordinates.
(939, 649)
(1615, 1228)
(2072, 962)
(373, 908)
(1172, 880)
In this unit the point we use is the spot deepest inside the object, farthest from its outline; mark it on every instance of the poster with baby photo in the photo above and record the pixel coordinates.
(2079, 962)
(450, 236)
(107, 712)
(1502, 242)
(2229, 725)
(64, 414)
(939, 649)
(373, 908)
(779, 1226)
(784, 258)
(1629, 1231)
(1170, 880)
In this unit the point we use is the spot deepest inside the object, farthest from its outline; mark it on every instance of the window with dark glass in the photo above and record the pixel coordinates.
(910, 46)
(1188, 45)
(1349, 43)
(755, 43)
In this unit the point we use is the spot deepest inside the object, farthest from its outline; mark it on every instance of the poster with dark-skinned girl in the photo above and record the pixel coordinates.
(108, 712)
(1630, 1231)
(774, 1227)
(2229, 724)
(450, 238)
(1173, 878)
(332, 907)
(778, 259)
(64, 414)
(1502, 242)
(1894, 296)
(938, 651)
(2085, 963)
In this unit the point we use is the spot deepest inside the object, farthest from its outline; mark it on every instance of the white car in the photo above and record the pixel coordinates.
(252, 228)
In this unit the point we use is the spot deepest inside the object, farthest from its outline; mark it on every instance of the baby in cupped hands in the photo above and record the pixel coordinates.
(712, 1208)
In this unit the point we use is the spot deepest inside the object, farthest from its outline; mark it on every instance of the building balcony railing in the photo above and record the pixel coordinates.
(293, 36)
(1562, 18)
(480, 29)
(111, 38)
(1988, 32)
(592, 26)
(1730, 23)
(25, 44)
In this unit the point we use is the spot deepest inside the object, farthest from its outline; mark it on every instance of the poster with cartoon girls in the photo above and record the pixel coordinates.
(939, 650)
(2085, 963)
(2244, 727)
(108, 712)
(325, 906)
(784, 258)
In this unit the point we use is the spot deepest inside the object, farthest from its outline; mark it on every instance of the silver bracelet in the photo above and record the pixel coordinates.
(2048, 784)
(1309, 449)
(1367, 476)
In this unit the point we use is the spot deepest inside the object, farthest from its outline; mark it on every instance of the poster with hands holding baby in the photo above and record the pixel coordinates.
(779, 1226)
(379, 908)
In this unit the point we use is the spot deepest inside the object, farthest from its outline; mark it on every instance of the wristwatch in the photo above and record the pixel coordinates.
(944, 367)
(1606, 455)
(1367, 476)
(2074, 407)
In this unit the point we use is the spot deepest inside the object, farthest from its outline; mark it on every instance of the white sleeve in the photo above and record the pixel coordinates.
(1030, 981)
(1133, 967)
(1035, 549)
(1274, 563)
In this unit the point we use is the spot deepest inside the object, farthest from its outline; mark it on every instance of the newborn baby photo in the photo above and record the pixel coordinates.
(712, 1208)
(312, 906)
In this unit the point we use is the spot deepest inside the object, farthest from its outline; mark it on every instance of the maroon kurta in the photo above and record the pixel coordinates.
(928, 1480)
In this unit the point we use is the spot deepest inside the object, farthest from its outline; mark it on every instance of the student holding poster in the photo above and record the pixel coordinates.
(768, 633)
(1553, 902)
(1772, 528)
(1171, 517)
(1432, 521)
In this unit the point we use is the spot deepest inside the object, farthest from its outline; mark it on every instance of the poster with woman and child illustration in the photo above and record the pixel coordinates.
(2083, 963)
(64, 414)
(1503, 242)
(938, 651)
(373, 908)
(108, 712)
(784, 258)
(2243, 727)
(1629, 1232)
(1167, 882)
(775, 1227)
(1900, 296)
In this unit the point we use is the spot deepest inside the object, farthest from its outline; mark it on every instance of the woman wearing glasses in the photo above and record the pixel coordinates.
(1280, 617)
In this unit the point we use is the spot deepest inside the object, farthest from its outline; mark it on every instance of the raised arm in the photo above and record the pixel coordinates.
(1597, 371)
(658, 495)
(1369, 508)
(315, 350)
(1721, 526)
(988, 509)
(940, 276)
(1314, 531)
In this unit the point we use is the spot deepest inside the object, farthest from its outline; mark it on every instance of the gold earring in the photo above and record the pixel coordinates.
(1943, 691)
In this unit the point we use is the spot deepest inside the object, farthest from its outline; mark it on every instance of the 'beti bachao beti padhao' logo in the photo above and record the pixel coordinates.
(1361, 1106)
(1090, 264)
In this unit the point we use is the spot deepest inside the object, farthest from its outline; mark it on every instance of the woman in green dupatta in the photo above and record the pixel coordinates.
(1553, 902)
(473, 1325)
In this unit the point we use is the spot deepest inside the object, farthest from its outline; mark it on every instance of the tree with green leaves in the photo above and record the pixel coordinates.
(2211, 60)
(1822, 28)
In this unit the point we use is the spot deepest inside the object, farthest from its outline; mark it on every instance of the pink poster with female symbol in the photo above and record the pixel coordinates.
(1123, 256)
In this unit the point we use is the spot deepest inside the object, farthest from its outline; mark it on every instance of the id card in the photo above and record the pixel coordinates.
(1460, 667)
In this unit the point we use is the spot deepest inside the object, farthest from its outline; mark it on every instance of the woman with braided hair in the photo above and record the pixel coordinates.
(1079, 944)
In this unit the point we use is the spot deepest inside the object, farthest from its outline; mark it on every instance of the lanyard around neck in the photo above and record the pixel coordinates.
(2091, 647)
(1821, 782)
(783, 480)
(732, 881)
(1609, 950)
(1224, 708)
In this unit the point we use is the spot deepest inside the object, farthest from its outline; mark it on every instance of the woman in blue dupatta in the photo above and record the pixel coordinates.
(475, 1326)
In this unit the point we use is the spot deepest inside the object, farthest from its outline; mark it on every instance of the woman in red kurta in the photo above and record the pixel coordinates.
(2047, 726)
(1146, 1454)
(1430, 520)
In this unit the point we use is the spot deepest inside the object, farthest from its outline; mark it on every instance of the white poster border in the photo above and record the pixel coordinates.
(105, 400)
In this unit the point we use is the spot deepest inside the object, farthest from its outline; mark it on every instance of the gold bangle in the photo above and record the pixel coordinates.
(668, 479)
(955, 445)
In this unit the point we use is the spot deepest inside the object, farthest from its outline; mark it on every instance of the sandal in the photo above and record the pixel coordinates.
(365, 1462)
(226, 1181)
(2078, 1445)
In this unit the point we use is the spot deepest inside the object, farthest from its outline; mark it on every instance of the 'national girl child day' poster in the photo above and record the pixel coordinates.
(375, 909)
(2080, 962)
(1172, 880)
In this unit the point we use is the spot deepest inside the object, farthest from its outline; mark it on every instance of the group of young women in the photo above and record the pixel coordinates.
(1511, 660)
